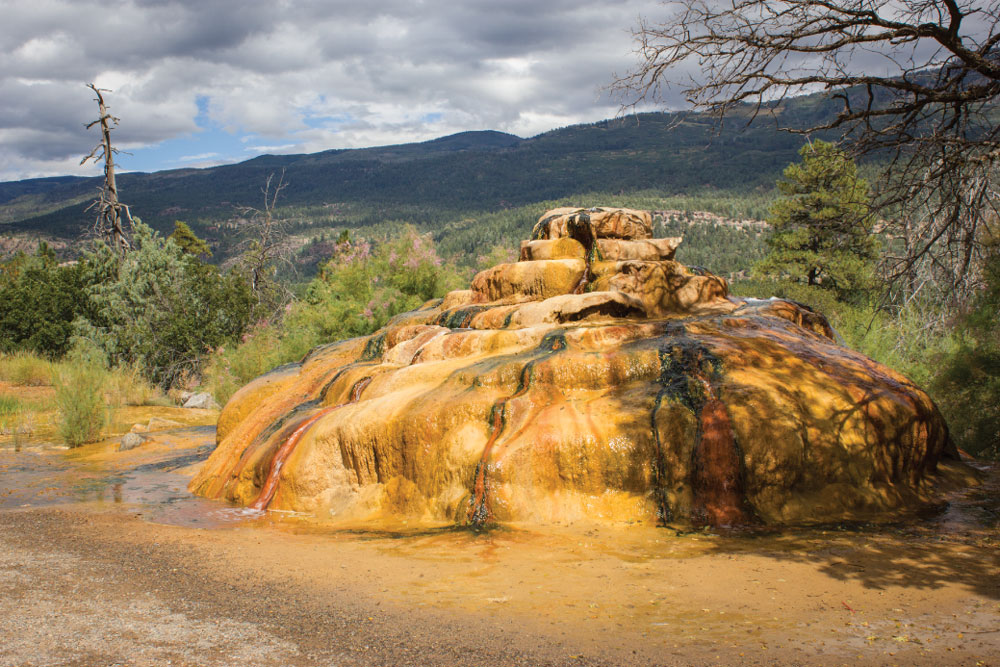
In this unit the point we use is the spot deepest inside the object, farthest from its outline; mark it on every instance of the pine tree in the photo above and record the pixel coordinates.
(187, 241)
(822, 225)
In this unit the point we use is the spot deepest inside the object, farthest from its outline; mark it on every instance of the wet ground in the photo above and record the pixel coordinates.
(106, 559)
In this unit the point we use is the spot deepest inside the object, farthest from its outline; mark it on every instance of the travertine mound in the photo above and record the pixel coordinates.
(596, 379)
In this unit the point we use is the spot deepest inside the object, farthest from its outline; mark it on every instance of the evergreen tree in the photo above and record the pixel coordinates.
(187, 241)
(822, 226)
(40, 300)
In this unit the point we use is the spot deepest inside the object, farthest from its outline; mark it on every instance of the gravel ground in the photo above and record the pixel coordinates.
(78, 589)
(101, 587)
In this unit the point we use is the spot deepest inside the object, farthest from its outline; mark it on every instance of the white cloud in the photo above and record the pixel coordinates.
(301, 75)
(200, 157)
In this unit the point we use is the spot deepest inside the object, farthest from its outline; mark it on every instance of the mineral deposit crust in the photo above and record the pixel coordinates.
(595, 380)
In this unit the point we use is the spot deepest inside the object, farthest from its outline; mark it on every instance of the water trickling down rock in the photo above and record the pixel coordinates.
(596, 379)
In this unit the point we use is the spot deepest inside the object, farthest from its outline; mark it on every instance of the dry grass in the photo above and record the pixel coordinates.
(26, 369)
(126, 386)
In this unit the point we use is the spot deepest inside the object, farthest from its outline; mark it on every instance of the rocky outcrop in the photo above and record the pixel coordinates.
(597, 379)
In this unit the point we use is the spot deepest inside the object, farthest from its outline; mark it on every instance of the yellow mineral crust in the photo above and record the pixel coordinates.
(601, 222)
(527, 281)
(587, 388)
(650, 250)
(565, 248)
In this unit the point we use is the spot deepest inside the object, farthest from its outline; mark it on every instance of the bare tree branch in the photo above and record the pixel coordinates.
(917, 82)
(265, 244)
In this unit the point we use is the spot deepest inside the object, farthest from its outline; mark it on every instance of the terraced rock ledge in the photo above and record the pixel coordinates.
(596, 379)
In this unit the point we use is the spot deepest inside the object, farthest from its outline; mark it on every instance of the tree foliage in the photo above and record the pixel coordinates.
(160, 309)
(40, 301)
(187, 241)
(822, 225)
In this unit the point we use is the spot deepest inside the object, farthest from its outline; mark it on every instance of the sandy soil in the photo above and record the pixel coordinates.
(98, 583)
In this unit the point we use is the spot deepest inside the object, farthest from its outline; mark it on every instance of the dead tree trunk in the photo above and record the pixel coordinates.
(112, 215)
(265, 245)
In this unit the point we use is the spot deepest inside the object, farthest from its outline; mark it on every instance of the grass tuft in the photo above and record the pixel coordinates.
(25, 369)
(79, 386)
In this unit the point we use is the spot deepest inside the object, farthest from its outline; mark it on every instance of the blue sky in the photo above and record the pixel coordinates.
(208, 144)
(204, 82)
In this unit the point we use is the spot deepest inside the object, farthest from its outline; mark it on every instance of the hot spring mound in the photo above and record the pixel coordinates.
(594, 380)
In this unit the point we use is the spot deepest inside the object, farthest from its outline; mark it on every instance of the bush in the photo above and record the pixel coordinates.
(79, 386)
(161, 310)
(967, 379)
(357, 291)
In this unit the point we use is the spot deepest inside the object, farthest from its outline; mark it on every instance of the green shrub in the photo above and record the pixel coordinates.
(967, 389)
(159, 309)
(966, 384)
(357, 291)
(79, 386)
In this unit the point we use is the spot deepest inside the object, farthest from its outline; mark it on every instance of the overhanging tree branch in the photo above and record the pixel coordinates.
(917, 83)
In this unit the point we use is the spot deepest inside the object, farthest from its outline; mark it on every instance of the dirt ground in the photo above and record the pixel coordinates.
(107, 580)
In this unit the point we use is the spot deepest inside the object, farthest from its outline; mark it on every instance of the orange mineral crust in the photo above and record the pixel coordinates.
(598, 380)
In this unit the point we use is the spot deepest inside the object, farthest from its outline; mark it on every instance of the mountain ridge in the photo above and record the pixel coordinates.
(483, 170)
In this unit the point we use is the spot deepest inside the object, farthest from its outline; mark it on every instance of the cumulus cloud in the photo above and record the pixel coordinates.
(301, 75)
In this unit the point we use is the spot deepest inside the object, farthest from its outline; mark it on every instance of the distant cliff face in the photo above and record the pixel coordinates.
(597, 379)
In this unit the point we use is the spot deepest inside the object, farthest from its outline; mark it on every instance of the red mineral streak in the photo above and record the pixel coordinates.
(479, 511)
(274, 471)
(718, 487)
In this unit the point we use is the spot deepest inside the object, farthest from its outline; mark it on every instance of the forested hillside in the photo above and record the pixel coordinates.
(442, 181)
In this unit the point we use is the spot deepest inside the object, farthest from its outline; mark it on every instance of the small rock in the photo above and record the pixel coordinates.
(201, 400)
(185, 396)
(138, 428)
(130, 441)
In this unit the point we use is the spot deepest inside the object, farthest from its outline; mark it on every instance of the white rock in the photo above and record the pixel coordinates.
(202, 400)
